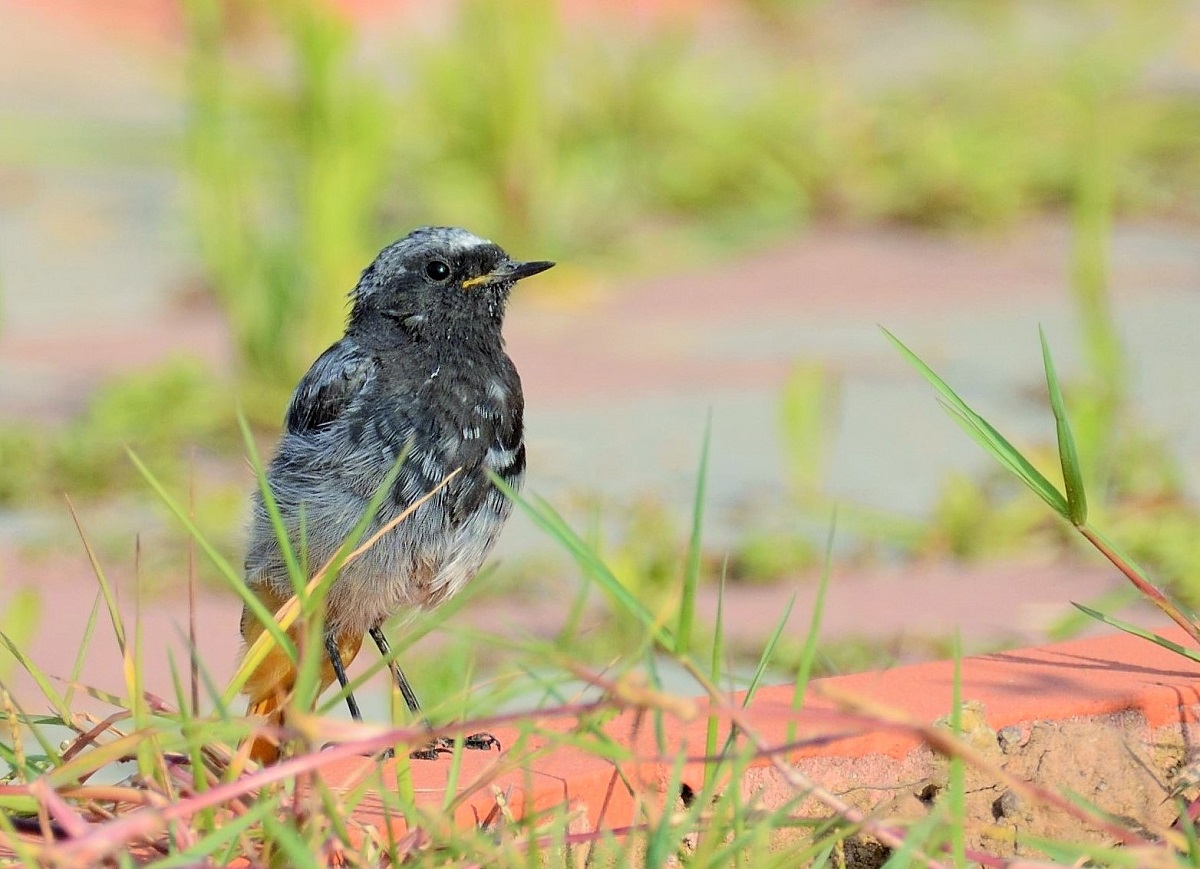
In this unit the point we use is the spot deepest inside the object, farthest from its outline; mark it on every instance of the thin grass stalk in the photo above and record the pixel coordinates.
(808, 653)
(691, 571)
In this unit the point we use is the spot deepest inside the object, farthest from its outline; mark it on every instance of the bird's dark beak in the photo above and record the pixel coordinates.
(509, 271)
(515, 271)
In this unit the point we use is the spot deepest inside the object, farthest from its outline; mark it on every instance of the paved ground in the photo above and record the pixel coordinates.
(619, 387)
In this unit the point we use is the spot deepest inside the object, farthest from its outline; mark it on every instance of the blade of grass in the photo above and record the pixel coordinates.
(663, 840)
(808, 654)
(193, 733)
(85, 643)
(110, 599)
(295, 852)
(1130, 628)
(768, 652)
(224, 836)
(232, 577)
(20, 619)
(1068, 456)
(650, 656)
(1073, 508)
(718, 654)
(990, 439)
(546, 518)
(39, 676)
(213, 694)
(691, 573)
(193, 644)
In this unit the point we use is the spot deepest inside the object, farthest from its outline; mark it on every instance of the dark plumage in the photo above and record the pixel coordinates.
(422, 372)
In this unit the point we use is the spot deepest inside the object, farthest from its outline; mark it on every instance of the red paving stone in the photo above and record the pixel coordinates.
(1083, 678)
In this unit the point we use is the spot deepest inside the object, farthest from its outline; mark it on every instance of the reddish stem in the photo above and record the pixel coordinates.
(1143, 585)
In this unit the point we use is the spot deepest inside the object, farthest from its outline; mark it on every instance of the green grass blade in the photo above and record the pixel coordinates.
(1130, 628)
(768, 652)
(294, 850)
(545, 517)
(85, 643)
(226, 836)
(990, 439)
(1068, 456)
(232, 577)
(1181, 615)
(691, 573)
(718, 657)
(43, 681)
(808, 654)
(110, 599)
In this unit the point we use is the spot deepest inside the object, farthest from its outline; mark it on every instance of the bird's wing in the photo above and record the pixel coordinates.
(340, 374)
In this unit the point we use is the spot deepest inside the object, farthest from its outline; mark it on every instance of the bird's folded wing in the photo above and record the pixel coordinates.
(340, 374)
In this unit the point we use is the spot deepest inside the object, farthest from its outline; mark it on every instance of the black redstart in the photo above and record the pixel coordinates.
(421, 373)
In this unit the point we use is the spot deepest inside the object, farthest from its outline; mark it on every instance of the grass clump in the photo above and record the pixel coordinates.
(185, 793)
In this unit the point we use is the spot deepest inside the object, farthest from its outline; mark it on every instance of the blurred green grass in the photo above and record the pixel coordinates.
(616, 148)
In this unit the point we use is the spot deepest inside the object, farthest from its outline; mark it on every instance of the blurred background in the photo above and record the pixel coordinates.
(738, 193)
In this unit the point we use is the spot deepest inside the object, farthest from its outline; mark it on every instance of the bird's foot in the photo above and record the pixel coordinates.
(445, 745)
(432, 751)
(482, 742)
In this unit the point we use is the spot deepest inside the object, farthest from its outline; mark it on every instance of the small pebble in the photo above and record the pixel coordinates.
(1007, 805)
(1009, 738)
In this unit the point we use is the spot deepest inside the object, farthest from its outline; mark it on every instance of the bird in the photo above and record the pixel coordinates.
(421, 380)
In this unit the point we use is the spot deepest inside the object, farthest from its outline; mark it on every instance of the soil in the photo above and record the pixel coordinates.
(1116, 763)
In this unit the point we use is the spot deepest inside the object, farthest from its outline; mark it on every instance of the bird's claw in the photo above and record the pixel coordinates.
(445, 745)
(432, 751)
(482, 742)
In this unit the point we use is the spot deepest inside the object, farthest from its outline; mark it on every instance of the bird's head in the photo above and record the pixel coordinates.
(437, 280)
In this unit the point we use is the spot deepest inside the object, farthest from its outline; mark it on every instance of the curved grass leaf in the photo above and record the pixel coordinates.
(232, 577)
(1068, 457)
(1130, 628)
(986, 436)
(546, 518)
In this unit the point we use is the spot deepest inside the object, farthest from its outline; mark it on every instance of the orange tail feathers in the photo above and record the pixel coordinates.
(270, 686)
(264, 750)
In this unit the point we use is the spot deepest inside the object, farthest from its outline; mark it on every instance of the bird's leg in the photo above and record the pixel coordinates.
(410, 697)
(476, 741)
(335, 658)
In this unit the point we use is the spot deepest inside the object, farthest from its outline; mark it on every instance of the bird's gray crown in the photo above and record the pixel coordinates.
(414, 250)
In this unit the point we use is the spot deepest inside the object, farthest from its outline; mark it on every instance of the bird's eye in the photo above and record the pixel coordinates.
(437, 270)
